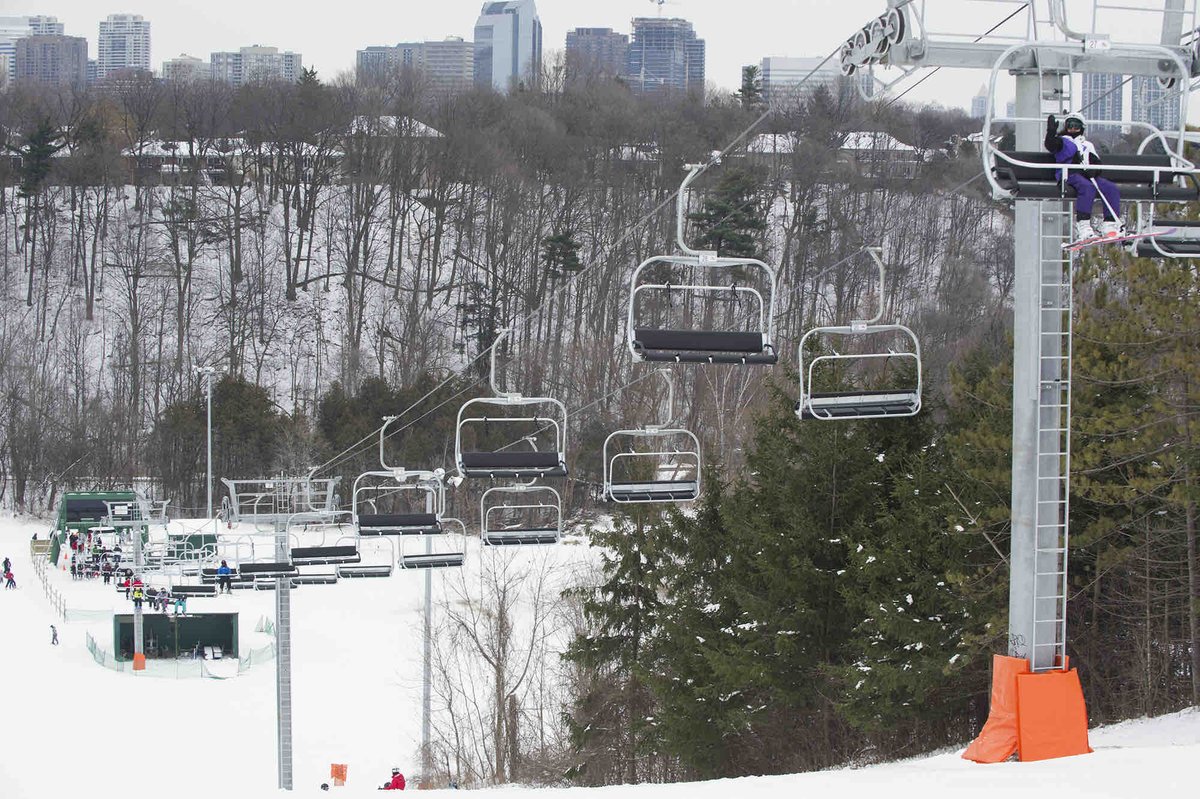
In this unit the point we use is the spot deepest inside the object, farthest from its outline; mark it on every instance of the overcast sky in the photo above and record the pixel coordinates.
(737, 32)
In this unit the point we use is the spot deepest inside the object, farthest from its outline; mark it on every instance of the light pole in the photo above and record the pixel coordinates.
(208, 372)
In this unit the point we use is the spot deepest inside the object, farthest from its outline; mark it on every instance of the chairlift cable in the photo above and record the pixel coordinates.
(582, 408)
(529, 314)
(935, 70)
(374, 435)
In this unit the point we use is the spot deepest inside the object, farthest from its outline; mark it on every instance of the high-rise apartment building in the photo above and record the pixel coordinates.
(448, 65)
(597, 51)
(665, 55)
(508, 45)
(255, 64)
(980, 103)
(1102, 97)
(55, 59)
(124, 44)
(378, 61)
(186, 68)
(1154, 104)
(790, 80)
(14, 28)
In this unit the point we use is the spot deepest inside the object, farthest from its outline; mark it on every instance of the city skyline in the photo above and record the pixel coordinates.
(810, 27)
(760, 29)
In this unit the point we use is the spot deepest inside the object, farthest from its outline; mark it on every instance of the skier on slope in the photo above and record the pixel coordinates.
(1071, 147)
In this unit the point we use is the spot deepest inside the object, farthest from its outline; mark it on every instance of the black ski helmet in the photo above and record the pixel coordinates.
(1073, 122)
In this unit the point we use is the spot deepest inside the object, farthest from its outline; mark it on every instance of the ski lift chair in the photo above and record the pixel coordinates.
(443, 551)
(669, 342)
(664, 468)
(366, 499)
(322, 555)
(1166, 238)
(866, 404)
(532, 500)
(1148, 177)
(507, 461)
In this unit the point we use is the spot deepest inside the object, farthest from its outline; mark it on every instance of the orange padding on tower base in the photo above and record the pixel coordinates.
(997, 741)
(1051, 716)
(139, 662)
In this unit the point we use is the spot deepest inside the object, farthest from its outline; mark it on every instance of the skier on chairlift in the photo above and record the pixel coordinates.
(1069, 146)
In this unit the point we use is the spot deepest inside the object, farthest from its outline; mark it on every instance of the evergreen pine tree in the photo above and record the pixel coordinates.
(701, 706)
(613, 722)
(750, 94)
(1136, 407)
(732, 219)
(907, 581)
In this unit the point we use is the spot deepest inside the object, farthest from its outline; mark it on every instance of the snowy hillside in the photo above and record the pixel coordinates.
(71, 726)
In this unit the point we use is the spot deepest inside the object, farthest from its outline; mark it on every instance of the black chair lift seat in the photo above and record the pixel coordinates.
(703, 346)
(517, 464)
(851, 404)
(655, 491)
(267, 570)
(521, 537)
(382, 570)
(375, 524)
(1042, 183)
(432, 560)
(322, 556)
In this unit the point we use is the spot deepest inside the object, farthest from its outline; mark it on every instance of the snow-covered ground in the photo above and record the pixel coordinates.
(69, 726)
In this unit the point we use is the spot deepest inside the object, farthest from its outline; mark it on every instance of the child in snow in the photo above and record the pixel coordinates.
(9, 581)
(396, 783)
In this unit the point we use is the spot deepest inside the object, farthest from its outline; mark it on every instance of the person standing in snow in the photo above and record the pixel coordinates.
(7, 563)
(53, 635)
(396, 783)
(9, 580)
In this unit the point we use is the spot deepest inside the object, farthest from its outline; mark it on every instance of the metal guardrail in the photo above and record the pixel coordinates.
(57, 602)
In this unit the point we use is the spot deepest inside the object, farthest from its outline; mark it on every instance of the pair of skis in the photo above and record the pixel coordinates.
(1076, 246)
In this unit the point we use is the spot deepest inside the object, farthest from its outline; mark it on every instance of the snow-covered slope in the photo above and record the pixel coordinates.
(70, 727)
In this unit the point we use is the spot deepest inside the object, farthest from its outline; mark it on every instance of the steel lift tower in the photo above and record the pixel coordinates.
(1042, 62)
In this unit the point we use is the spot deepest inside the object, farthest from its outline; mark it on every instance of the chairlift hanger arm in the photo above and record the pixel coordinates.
(1083, 52)
(492, 377)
